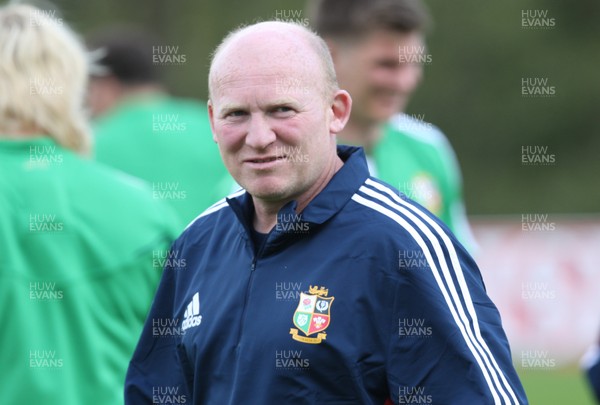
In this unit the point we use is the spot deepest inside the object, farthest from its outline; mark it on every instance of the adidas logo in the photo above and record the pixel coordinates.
(192, 316)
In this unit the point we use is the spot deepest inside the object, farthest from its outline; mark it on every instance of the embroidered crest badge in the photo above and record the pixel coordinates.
(312, 315)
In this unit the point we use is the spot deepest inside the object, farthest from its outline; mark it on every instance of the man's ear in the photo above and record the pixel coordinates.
(340, 109)
(211, 118)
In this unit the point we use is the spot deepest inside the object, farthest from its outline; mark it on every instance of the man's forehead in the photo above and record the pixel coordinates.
(382, 37)
(286, 80)
(268, 93)
(265, 78)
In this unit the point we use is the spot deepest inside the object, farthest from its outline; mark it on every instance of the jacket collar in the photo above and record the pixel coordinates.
(325, 205)
(340, 189)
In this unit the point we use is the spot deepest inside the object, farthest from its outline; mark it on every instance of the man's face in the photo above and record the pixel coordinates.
(272, 123)
(372, 70)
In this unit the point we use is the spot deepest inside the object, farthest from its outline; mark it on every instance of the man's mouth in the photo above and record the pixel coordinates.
(266, 159)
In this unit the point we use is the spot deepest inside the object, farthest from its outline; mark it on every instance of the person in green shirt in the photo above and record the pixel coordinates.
(142, 130)
(378, 49)
(82, 245)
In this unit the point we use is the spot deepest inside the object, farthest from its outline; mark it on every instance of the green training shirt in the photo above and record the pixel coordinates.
(168, 143)
(415, 157)
(82, 247)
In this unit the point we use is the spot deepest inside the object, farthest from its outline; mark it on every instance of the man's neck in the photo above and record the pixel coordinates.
(265, 212)
(17, 131)
(365, 134)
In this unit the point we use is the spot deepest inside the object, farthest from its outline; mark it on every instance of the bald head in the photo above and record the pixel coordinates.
(260, 45)
(274, 111)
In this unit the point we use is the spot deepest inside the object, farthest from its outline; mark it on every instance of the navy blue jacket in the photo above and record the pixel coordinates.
(362, 297)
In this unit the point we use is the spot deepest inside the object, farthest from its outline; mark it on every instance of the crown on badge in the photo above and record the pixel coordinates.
(318, 291)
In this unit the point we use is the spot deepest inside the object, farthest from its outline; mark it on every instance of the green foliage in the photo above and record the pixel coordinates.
(472, 89)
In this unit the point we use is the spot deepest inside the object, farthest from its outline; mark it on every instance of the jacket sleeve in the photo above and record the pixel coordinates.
(447, 343)
(155, 371)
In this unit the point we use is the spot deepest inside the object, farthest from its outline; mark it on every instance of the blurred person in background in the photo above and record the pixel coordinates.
(378, 48)
(79, 240)
(590, 364)
(142, 130)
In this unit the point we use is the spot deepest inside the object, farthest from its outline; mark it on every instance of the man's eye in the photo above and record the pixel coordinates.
(235, 114)
(282, 111)
(388, 64)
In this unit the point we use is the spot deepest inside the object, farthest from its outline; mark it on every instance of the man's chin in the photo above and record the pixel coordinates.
(383, 111)
(269, 193)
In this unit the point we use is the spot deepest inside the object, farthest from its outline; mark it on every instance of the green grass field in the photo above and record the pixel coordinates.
(562, 386)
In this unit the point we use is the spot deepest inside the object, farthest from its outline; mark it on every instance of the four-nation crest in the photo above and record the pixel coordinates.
(312, 315)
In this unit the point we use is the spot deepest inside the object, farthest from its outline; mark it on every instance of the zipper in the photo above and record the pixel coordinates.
(255, 258)
(246, 298)
(241, 328)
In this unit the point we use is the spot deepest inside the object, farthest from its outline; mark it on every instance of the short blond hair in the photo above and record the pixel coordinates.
(43, 77)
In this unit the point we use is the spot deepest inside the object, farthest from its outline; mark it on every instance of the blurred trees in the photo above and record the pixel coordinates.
(481, 55)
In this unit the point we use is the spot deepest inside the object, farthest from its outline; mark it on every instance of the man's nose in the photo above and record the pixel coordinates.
(260, 134)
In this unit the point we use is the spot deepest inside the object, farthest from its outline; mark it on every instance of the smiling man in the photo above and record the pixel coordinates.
(316, 284)
(261, 119)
